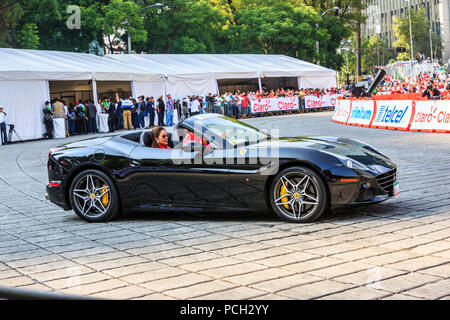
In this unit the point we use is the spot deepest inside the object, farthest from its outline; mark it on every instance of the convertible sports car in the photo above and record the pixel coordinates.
(231, 165)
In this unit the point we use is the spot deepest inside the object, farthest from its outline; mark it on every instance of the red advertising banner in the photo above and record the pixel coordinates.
(275, 104)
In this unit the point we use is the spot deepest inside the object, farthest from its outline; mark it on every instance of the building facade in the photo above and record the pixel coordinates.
(381, 13)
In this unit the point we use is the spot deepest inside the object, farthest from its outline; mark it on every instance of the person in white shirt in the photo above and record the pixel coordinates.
(3, 125)
(195, 106)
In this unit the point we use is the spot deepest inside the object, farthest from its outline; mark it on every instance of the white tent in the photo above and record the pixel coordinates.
(198, 73)
(25, 76)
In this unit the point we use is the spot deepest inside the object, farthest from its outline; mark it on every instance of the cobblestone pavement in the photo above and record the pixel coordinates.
(396, 250)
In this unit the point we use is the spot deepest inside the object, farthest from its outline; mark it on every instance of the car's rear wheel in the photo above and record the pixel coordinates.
(298, 194)
(93, 196)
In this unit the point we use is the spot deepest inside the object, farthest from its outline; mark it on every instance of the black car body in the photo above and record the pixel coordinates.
(232, 173)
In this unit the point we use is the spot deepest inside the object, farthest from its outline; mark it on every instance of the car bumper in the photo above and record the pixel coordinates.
(56, 195)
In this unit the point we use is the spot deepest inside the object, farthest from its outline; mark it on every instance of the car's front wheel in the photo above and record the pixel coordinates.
(298, 194)
(93, 196)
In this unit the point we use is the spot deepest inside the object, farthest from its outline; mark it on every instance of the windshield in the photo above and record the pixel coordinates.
(233, 131)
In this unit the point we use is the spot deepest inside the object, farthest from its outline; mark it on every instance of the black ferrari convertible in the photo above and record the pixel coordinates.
(231, 165)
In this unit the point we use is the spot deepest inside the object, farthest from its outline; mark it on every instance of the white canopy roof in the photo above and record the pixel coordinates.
(20, 64)
(223, 66)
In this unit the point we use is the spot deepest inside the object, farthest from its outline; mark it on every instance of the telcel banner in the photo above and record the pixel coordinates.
(362, 113)
(342, 111)
(393, 114)
(431, 115)
(275, 104)
(325, 101)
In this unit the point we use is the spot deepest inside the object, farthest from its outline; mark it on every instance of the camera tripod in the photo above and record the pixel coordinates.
(10, 132)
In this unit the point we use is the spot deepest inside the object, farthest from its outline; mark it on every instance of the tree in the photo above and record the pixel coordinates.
(420, 33)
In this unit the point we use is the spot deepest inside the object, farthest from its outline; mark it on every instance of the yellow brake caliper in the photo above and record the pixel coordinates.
(285, 199)
(105, 197)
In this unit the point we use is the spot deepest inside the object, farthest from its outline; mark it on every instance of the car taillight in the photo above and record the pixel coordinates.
(53, 150)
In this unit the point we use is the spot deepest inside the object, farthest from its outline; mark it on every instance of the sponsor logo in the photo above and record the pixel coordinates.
(388, 114)
(315, 103)
(261, 107)
(286, 105)
(361, 113)
(433, 115)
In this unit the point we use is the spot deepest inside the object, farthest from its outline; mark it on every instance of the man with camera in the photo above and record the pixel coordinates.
(432, 92)
(3, 125)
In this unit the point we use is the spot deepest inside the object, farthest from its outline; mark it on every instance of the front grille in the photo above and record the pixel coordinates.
(386, 181)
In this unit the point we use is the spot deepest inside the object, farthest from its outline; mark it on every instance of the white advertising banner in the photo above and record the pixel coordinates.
(325, 101)
(362, 113)
(393, 114)
(275, 104)
(342, 111)
(431, 115)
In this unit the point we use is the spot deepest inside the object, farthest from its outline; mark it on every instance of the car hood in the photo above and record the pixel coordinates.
(339, 147)
(96, 141)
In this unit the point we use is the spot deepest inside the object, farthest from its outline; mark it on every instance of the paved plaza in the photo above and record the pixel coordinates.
(399, 249)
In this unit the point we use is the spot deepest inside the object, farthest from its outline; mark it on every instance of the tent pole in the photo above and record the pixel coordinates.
(259, 83)
(299, 83)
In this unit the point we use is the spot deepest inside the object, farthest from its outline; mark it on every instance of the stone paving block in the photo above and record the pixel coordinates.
(87, 252)
(432, 247)
(400, 297)
(282, 283)
(47, 267)
(87, 259)
(360, 254)
(240, 293)
(434, 290)
(406, 243)
(418, 263)
(210, 264)
(30, 259)
(370, 276)
(271, 296)
(191, 258)
(194, 240)
(390, 258)
(442, 254)
(314, 290)
(178, 251)
(16, 281)
(124, 293)
(339, 270)
(221, 244)
(116, 263)
(338, 248)
(405, 282)
(314, 244)
(268, 236)
(313, 264)
(97, 287)
(153, 275)
(360, 293)
(259, 276)
(442, 271)
(156, 296)
(245, 248)
(63, 273)
(149, 249)
(286, 259)
(9, 273)
(183, 280)
(134, 269)
(236, 269)
(200, 289)
(262, 254)
(76, 280)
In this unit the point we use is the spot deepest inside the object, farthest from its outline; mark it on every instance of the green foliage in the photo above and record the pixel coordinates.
(420, 27)
(29, 36)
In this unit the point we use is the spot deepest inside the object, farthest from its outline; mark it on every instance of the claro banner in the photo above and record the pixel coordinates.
(342, 111)
(393, 114)
(431, 116)
(362, 113)
(325, 101)
(275, 104)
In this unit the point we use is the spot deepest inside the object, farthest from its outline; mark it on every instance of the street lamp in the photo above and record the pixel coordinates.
(410, 38)
(159, 5)
(317, 26)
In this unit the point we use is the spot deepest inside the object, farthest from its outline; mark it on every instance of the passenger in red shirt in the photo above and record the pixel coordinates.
(160, 138)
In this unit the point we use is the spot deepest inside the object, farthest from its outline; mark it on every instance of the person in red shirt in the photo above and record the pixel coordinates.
(190, 136)
(160, 138)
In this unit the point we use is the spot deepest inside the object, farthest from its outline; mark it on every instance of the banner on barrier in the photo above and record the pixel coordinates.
(393, 114)
(325, 101)
(362, 112)
(342, 111)
(275, 104)
(431, 115)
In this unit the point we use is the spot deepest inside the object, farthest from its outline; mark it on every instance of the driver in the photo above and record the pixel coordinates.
(191, 136)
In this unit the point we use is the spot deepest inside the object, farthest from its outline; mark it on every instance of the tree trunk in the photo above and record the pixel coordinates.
(8, 34)
(358, 50)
